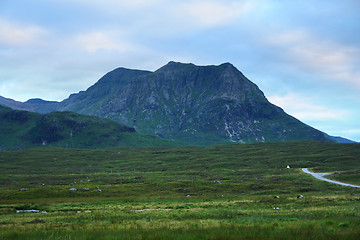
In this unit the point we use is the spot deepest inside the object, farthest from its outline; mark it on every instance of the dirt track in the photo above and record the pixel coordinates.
(320, 176)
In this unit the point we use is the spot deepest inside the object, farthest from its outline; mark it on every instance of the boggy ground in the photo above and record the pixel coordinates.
(219, 192)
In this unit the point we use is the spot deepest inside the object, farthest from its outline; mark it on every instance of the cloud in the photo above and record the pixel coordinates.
(355, 131)
(16, 34)
(165, 15)
(305, 109)
(212, 13)
(328, 59)
(111, 5)
(99, 40)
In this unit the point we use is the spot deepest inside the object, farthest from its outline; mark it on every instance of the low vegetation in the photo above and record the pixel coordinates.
(218, 192)
(22, 129)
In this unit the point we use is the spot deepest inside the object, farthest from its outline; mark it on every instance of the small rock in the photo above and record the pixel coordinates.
(86, 189)
(73, 189)
(24, 189)
(188, 195)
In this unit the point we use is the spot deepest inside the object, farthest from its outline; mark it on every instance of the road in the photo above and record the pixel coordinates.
(320, 176)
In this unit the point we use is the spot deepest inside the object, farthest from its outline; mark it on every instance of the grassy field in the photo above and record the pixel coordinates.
(218, 192)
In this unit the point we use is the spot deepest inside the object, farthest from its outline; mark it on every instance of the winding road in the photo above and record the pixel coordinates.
(320, 176)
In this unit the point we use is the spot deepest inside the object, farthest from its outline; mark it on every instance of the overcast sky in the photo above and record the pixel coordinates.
(303, 54)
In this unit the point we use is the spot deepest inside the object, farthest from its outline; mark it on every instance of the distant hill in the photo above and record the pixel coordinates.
(198, 105)
(22, 129)
(341, 140)
(33, 105)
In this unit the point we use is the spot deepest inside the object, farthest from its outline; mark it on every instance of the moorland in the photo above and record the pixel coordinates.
(238, 191)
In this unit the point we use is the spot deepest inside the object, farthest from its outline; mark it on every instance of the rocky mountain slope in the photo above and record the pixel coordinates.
(196, 104)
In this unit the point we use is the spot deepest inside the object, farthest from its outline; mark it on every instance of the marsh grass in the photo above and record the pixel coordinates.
(218, 192)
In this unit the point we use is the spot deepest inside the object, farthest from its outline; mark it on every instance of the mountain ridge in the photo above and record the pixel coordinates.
(200, 105)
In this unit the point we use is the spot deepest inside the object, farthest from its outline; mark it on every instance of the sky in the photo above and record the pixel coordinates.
(303, 54)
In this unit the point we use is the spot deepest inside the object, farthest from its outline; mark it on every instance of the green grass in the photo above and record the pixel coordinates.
(218, 192)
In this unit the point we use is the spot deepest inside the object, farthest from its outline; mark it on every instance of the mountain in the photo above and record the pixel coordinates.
(32, 105)
(22, 129)
(197, 104)
(13, 104)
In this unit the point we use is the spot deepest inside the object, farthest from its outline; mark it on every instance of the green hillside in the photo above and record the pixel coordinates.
(22, 129)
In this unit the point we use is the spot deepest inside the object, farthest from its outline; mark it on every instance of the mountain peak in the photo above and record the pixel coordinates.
(174, 63)
(178, 64)
(173, 66)
(226, 64)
